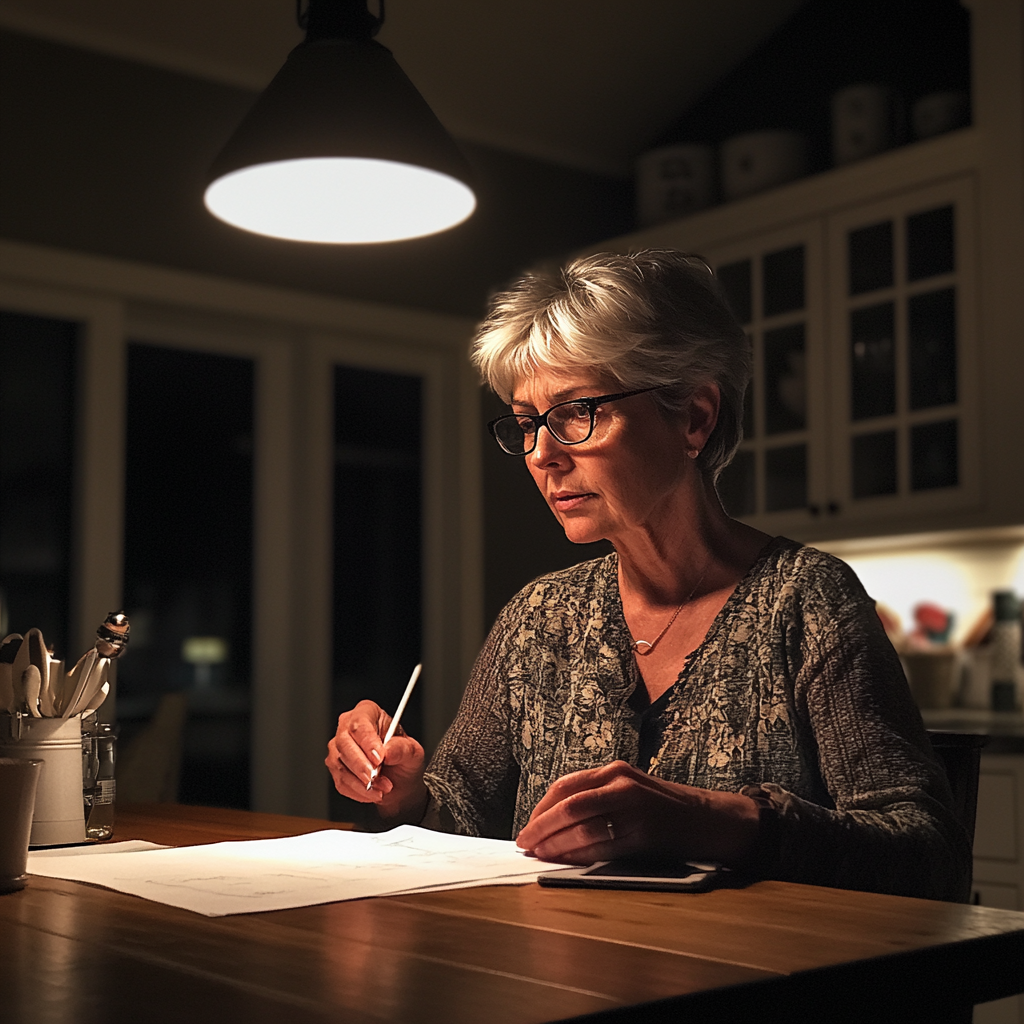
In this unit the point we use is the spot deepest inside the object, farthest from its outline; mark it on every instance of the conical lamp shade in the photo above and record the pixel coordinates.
(341, 147)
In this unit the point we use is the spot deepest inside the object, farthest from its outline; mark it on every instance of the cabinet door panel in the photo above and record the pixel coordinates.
(775, 285)
(874, 464)
(869, 258)
(931, 323)
(872, 361)
(901, 302)
(995, 833)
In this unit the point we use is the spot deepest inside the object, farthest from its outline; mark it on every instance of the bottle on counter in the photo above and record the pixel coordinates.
(99, 754)
(1006, 650)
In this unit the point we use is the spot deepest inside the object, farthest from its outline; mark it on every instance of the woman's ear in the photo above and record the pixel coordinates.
(703, 417)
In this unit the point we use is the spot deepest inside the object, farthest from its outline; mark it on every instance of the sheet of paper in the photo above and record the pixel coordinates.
(275, 874)
(88, 849)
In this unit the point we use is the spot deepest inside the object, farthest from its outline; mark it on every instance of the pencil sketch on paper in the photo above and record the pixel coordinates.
(275, 874)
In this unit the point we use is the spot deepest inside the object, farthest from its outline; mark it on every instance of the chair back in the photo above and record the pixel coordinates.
(960, 754)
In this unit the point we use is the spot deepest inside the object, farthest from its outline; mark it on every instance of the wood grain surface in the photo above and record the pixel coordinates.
(76, 954)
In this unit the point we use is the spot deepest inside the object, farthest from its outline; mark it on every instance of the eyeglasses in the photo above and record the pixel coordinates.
(569, 422)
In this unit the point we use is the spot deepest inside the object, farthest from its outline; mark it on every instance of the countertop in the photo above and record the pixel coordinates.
(1005, 728)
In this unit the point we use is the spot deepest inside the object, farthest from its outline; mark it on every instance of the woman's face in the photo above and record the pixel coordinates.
(626, 477)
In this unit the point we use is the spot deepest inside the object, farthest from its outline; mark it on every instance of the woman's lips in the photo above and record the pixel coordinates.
(569, 501)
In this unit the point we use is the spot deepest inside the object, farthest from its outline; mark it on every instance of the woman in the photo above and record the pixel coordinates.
(705, 691)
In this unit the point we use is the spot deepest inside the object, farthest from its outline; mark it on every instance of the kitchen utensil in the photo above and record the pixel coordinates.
(54, 676)
(93, 685)
(79, 678)
(18, 666)
(8, 649)
(32, 681)
(97, 699)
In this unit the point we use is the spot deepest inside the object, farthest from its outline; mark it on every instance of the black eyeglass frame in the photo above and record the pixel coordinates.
(591, 405)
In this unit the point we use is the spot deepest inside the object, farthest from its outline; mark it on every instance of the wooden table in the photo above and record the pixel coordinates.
(772, 951)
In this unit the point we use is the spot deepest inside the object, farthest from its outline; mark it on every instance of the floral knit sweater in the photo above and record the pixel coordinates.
(795, 692)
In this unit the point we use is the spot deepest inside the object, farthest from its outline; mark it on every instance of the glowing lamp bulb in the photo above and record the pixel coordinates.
(340, 199)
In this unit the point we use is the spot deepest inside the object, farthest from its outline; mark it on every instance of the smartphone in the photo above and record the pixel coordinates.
(652, 876)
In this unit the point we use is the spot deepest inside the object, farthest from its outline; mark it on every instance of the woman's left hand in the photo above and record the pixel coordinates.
(617, 811)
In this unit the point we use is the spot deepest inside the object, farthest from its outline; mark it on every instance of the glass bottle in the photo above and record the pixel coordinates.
(1006, 650)
(99, 822)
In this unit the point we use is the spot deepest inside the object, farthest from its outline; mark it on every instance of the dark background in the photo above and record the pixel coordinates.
(108, 156)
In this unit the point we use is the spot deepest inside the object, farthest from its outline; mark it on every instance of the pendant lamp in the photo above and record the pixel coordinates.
(340, 147)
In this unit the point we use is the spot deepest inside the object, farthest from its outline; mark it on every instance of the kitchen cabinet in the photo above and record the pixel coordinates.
(862, 329)
(999, 857)
(884, 307)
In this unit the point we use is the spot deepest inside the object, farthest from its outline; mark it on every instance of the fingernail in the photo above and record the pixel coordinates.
(375, 754)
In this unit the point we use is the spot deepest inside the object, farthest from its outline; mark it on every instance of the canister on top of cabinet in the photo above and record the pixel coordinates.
(674, 181)
(867, 118)
(756, 161)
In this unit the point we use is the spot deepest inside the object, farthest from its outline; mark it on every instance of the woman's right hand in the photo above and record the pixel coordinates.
(358, 747)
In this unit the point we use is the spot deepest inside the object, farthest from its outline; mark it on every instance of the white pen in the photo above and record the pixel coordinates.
(394, 721)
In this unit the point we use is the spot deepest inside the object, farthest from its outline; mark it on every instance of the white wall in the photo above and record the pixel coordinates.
(957, 571)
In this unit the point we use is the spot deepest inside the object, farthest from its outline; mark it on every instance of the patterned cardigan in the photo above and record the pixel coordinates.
(795, 693)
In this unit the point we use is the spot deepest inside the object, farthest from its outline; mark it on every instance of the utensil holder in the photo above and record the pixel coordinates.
(59, 818)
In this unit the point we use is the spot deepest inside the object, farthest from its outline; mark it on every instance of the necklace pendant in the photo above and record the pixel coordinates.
(643, 646)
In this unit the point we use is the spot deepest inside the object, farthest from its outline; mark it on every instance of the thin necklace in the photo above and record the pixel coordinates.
(651, 644)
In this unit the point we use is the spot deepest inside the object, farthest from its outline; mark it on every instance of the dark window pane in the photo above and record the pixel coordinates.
(783, 280)
(870, 255)
(872, 361)
(932, 320)
(188, 558)
(874, 464)
(785, 380)
(933, 456)
(735, 279)
(377, 547)
(737, 487)
(37, 384)
(930, 243)
(785, 478)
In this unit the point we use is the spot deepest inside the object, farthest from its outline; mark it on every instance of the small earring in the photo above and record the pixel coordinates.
(693, 452)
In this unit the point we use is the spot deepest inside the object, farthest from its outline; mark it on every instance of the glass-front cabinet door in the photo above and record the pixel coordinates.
(775, 286)
(901, 327)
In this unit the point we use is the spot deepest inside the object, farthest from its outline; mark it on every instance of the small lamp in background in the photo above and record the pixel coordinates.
(204, 652)
(340, 147)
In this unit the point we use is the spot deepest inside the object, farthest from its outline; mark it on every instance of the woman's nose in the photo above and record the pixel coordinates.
(549, 451)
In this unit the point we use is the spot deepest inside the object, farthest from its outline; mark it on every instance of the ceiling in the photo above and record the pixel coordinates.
(586, 84)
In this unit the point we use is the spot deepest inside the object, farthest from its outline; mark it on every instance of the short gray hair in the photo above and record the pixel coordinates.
(646, 318)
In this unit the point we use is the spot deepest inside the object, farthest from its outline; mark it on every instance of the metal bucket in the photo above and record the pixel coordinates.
(59, 818)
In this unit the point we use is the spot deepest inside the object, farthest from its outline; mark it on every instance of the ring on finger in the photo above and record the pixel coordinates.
(611, 829)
